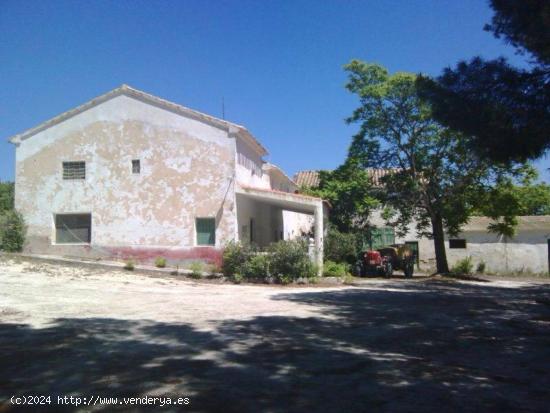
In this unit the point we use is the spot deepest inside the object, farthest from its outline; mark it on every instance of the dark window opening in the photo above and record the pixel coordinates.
(74, 170)
(136, 166)
(457, 243)
(73, 228)
(206, 231)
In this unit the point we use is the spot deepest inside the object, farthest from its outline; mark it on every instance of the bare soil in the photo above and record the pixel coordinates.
(384, 345)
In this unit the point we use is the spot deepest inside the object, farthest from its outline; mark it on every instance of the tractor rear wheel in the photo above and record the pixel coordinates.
(409, 269)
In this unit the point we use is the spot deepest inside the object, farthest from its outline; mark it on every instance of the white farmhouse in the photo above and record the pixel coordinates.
(128, 174)
(527, 251)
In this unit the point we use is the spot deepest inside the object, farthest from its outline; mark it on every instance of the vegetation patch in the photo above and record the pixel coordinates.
(160, 262)
(129, 265)
(284, 262)
(335, 269)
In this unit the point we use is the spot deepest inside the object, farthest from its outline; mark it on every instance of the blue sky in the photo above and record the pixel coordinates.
(277, 64)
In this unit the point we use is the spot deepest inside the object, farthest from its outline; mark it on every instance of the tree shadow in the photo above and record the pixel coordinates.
(416, 347)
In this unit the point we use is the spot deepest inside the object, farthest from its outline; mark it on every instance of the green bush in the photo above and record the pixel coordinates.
(481, 267)
(129, 265)
(464, 266)
(7, 196)
(340, 246)
(334, 269)
(257, 267)
(12, 231)
(196, 268)
(160, 262)
(285, 261)
(235, 255)
(289, 260)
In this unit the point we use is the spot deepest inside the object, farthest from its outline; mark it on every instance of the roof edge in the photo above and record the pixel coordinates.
(124, 89)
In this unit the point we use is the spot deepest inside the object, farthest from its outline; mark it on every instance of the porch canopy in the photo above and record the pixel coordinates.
(289, 202)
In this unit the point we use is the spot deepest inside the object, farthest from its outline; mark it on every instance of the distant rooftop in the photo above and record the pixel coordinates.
(310, 179)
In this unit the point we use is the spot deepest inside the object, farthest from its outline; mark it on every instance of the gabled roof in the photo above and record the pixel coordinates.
(152, 100)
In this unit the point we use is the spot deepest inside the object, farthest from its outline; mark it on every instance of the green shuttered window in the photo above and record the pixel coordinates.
(73, 228)
(381, 237)
(206, 231)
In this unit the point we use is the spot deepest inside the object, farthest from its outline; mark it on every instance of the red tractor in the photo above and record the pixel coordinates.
(384, 261)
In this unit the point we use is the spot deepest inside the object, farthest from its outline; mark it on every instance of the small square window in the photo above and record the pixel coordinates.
(74, 170)
(457, 243)
(136, 166)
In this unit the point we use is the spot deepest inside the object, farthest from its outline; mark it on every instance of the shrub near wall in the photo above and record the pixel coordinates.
(284, 261)
(340, 246)
(235, 255)
(12, 231)
(289, 261)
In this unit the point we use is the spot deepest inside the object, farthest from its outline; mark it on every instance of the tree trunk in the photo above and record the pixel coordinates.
(439, 244)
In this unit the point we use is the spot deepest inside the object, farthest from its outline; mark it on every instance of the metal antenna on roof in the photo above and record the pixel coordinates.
(223, 108)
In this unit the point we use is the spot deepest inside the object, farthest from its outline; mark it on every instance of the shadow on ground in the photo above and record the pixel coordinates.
(418, 347)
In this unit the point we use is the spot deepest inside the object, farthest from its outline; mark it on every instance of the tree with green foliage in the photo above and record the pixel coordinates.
(7, 192)
(12, 225)
(348, 190)
(505, 110)
(12, 231)
(506, 200)
(341, 247)
(435, 178)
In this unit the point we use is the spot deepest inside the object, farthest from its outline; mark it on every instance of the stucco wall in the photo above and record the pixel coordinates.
(187, 171)
(268, 221)
(249, 170)
(296, 224)
(527, 251)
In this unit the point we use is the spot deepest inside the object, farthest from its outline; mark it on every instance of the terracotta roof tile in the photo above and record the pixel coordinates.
(310, 179)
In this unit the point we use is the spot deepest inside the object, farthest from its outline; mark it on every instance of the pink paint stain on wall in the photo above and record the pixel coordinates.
(146, 255)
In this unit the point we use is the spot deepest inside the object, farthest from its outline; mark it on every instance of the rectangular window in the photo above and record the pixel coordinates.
(380, 237)
(73, 228)
(206, 231)
(136, 166)
(74, 170)
(457, 243)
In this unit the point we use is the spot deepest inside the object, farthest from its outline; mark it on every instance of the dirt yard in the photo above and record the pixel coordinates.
(398, 345)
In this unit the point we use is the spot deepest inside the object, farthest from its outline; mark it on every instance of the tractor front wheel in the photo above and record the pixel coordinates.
(389, 270)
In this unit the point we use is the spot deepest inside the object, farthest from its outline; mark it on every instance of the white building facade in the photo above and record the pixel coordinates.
(128, 174)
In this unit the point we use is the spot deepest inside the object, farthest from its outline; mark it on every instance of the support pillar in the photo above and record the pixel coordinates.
(318, 218)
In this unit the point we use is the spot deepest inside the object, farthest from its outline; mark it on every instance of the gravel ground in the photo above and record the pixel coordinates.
(385, 345)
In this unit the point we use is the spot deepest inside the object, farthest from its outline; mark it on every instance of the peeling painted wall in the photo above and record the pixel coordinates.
(187, 171)
(249, 170)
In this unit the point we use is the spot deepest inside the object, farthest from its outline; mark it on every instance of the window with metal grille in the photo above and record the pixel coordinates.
(73, 228)
(136, 166)
(457, 243)
(206, 231)
(74, 170)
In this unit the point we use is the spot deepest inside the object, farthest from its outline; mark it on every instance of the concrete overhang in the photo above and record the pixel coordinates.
(291, 202)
